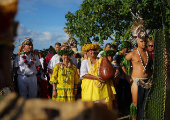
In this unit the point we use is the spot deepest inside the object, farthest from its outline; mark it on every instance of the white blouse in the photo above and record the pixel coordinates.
(54, 60)
(84, 68)
(23, 68)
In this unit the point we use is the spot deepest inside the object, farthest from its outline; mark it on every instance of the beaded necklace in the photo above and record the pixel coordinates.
(67, 74)
(99, 85)
(91, 70)
(26, 62)
(144, 67)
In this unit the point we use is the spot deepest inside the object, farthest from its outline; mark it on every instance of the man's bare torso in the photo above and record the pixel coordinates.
(138, 68)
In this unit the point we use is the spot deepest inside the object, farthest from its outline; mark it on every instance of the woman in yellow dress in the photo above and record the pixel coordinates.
(93, 87)
(65, 78)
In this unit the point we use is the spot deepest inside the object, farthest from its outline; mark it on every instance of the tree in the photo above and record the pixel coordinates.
(98, 20)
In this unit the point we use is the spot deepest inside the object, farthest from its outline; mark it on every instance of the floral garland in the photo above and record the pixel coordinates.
(95, 84)
(68, 72)
(126, 44)
(91, 70)
(26, 62)
(62, 52)
(87, 47)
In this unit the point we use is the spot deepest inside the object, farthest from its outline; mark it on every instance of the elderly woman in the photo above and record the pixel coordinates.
(93, 87)
(65, 78)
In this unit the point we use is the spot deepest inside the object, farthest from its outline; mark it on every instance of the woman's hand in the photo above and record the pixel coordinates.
(100, 79)
(54, 93)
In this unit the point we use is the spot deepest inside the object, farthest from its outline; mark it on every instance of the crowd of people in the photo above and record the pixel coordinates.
(119, 76)
(68, 74)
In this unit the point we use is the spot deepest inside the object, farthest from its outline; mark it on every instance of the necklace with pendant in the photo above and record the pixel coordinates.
(144, 67)
(67, 73)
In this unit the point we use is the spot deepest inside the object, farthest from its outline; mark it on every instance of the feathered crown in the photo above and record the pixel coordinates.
(27, 40)
(138, 29)
(87, 47)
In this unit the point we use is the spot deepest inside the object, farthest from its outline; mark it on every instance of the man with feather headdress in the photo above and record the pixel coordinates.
(140, 76)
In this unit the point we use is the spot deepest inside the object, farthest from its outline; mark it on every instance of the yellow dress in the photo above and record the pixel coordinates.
(93, 90)
(65, 83)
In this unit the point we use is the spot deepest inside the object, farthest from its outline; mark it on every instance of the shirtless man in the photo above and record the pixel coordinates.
(140, 77)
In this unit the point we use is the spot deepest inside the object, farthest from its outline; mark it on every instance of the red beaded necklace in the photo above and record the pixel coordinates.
(26, 62)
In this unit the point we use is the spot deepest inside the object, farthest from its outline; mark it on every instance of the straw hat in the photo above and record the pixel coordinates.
(75, 50)
(64, 44)
(81, 53)
(78, 52)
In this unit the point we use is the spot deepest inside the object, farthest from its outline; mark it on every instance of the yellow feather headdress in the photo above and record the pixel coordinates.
(87, 47)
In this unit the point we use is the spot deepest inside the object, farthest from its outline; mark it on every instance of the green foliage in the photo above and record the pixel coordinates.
(108, 53)
(67, 52)
(126, 44)
(98, 20)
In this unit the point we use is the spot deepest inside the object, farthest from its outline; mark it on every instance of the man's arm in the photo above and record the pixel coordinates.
(126, 65)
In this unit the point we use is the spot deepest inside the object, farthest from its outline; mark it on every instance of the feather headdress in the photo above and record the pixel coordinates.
(27, 40)
(138, 29)
(71, 41)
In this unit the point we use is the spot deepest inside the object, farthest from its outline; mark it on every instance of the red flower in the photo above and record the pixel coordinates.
(25, 61)
(29, 65)
(24, 57)
(38, 68)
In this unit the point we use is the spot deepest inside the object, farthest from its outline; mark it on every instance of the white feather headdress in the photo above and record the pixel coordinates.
(138, 29)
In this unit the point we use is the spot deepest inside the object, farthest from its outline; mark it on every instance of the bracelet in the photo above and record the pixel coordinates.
(54, 90)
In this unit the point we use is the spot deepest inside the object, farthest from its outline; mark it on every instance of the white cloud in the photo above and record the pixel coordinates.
(40, 36)
(40, 39)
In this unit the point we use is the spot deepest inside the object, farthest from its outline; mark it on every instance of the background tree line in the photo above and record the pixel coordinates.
(98, 20)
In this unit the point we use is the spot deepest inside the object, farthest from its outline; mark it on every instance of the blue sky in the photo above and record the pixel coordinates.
(43, 21)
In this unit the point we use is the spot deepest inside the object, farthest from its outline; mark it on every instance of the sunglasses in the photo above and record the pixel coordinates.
(150, 45)
(30, 44)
